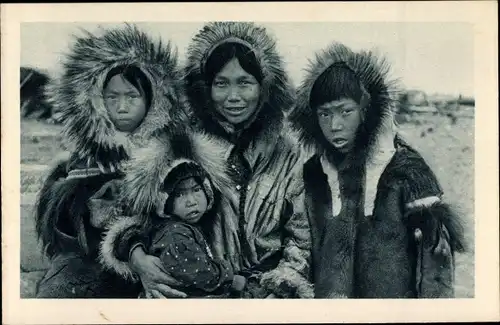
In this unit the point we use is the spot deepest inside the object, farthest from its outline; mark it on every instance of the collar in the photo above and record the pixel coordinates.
(380, 155)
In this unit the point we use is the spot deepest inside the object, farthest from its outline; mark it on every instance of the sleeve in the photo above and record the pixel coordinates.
(292, 276)
(436, 229)
(187, 260)
(122, 235)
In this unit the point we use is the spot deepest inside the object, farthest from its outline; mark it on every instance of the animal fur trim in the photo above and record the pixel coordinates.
(285, 282)
(163, 197)
(149, 166)
(373, 73)
(277, 93)
(423, 203)
(429, 218)
(107, 256)
(78, 93)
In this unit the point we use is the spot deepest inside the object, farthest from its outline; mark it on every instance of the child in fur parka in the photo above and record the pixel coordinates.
(115, 91)
(177, 234)
(380, 226)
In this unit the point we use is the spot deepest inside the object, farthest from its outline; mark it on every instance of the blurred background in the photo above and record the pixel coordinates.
(433, 61)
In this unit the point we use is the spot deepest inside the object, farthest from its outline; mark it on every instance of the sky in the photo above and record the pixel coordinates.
(433, 57)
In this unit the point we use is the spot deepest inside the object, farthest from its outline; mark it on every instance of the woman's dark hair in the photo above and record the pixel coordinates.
(336, 82)
(136, 77)
(224, 53)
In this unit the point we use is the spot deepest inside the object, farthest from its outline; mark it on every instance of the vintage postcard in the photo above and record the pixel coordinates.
(335, 161)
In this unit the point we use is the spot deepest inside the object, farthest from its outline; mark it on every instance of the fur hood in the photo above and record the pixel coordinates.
(148, 167)
(277, 94)
(373, 73)
(78, 93)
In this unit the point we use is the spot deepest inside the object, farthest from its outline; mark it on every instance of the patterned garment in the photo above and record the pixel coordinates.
(187, 257)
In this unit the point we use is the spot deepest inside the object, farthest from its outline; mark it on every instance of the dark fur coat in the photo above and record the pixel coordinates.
(380, 226)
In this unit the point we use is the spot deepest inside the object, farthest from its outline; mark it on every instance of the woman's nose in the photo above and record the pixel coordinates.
(234, 95)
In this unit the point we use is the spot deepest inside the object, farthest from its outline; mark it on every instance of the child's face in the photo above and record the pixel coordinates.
(339, 121)
(190, 201)
(126, 107)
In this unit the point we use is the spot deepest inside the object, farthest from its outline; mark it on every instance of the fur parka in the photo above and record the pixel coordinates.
(263, 230)
(66, 201)
(142, 199)
(380, 226)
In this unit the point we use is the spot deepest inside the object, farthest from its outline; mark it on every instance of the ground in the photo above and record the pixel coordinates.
(447, 147)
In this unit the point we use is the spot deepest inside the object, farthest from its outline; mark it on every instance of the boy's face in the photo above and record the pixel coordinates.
(339, 121)
(126, 107)
(190, 201)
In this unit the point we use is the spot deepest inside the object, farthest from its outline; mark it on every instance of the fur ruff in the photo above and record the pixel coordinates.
(277, 95)
(373, 72)
(163, 196)
(149, 166)
(107, 254)
(78, 93)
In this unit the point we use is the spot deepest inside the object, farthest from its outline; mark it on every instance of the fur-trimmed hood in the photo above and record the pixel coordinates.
(147, 169)
(78, 93)
(374, 148)
(277, 95)
(373, 72)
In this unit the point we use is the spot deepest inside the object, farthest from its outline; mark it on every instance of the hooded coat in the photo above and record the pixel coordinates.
(82, 181)
(142, 198)
(263, 232)
(380, 227)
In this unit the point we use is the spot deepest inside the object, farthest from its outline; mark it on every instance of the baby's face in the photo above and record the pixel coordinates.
(190, 201)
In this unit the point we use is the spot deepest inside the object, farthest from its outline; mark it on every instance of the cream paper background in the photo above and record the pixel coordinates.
(486, 304)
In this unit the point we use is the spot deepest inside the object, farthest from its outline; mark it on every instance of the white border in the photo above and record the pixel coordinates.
(485, 305)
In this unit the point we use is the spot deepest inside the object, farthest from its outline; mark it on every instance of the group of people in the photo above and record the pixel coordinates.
(218, 179)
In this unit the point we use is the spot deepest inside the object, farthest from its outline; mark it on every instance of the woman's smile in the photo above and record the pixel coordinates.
(235, 93)
(235, 110)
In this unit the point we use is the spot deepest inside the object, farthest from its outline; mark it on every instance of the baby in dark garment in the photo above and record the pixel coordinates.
(177, 235)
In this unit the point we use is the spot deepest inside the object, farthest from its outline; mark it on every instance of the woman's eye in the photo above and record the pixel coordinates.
(219, 83)
(323, 114)
(197, 189)
(245, 82)
(346, 111)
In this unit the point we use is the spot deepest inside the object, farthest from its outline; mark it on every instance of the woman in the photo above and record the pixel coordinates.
(238, 90)
(380, 228)
(115, 91)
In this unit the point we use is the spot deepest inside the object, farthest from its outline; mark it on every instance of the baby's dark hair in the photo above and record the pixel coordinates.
(336, 82)
(224, 53)
(134, 76)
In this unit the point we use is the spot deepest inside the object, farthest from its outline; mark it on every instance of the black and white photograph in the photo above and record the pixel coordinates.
(247, 159)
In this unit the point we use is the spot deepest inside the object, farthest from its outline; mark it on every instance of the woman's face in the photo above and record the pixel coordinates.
(235, 93)
(339, 121)
(126, 107)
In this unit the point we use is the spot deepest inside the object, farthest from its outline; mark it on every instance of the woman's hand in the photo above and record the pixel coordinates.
(155, 279)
